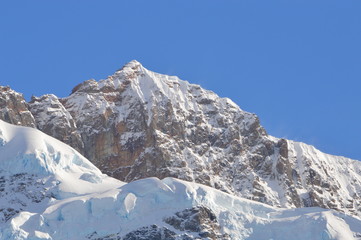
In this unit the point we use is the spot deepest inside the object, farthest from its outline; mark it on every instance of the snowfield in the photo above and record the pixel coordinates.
(55, 193)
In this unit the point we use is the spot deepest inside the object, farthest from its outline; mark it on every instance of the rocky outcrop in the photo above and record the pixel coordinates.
(53, 119)
(193, 223)
(199, 220)
(137, 124)
(20, 191)
(152, 232)
(14, 109)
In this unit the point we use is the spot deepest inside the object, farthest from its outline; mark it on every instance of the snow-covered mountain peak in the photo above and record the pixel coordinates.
(137, 124)
(129, 71)
(134, 64)
(153, 89)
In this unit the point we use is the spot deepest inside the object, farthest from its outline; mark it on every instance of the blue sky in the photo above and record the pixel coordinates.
(296, 64)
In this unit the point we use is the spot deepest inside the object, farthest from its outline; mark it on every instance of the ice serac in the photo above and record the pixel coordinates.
(138, 123)
(171, 209)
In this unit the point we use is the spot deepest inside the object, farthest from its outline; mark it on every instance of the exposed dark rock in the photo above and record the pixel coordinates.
(14, 109)
(20, 190)
(198, 219)
(152, 232)
(53, 119)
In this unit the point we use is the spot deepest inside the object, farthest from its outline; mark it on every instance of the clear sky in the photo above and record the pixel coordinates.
(296, 64)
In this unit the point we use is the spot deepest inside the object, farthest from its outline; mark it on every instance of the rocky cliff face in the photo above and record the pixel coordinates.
(137, 124)
(52, 118)
(14, 109)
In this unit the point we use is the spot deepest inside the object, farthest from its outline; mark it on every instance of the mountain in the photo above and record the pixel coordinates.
(49, 191)
(137, 124)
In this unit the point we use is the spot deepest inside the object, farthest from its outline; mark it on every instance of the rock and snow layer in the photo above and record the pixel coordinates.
(49, 191)
(137, 124)
(36, 169)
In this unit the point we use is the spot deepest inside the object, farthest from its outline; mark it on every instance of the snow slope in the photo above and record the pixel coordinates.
(36, 169)
(150, 202)
(27, 150)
